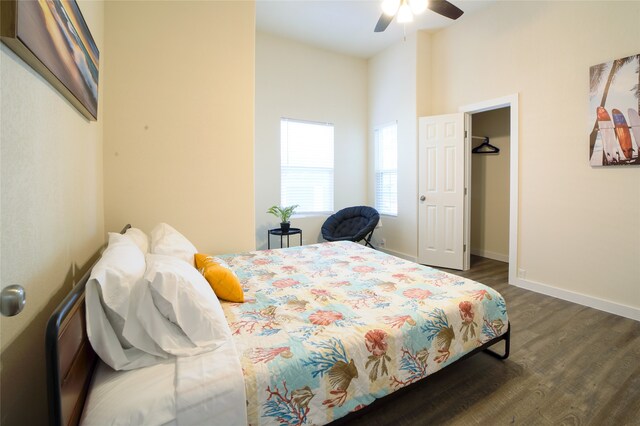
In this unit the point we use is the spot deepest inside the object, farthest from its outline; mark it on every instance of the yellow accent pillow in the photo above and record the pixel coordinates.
(223, 281)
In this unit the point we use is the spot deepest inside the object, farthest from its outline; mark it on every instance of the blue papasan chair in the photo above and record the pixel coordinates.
(351, 224)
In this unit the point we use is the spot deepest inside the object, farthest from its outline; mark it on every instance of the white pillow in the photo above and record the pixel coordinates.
(178, 308)
(121, 266)
(140, 238)
(166, 240)
(104, 340)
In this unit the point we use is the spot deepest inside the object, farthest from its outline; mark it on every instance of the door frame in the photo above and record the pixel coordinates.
(510, 101)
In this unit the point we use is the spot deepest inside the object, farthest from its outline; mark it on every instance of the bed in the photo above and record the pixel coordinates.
(324, 331)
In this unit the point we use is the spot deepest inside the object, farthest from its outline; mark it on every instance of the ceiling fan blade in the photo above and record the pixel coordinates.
(444, 8)
(383, 23)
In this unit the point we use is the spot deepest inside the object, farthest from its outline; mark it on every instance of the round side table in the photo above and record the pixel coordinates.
(278, 231)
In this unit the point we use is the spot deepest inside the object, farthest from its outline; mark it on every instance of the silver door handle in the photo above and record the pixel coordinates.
(422, 198)
(12, 300)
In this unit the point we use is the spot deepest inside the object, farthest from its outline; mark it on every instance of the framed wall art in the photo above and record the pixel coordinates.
(614, 103)
(53, 38)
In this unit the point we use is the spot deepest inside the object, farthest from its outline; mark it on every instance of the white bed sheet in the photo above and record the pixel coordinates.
(196, 390)
(144, 396)
(210, 388)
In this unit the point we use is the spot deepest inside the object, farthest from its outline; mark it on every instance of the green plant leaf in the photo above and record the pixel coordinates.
(283, 213)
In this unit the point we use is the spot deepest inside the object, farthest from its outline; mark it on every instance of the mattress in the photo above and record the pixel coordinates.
(327, 328)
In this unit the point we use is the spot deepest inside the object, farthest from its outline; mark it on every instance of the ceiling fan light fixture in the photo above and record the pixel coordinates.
(390, 7)
(404, 13)
(418, 6)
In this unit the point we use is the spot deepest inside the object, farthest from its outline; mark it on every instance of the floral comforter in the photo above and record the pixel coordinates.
(327, 328)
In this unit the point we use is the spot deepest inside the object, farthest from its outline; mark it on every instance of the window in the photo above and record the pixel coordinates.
(386, 160)
(306, 165)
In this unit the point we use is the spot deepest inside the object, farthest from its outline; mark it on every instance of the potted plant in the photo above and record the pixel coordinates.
(284, 214)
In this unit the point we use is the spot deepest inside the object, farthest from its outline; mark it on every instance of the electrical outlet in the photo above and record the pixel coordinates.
(522, 273)
(383, 242)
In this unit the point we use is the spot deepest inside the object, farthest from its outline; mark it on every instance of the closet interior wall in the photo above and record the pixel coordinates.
(490, 186)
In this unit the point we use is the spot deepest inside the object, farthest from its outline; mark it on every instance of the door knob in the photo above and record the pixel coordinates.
(422, 198)
(12, 300)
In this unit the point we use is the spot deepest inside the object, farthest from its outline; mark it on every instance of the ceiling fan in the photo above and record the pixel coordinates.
(405, 9)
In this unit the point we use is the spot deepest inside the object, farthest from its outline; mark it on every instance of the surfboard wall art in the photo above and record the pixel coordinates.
(614, 102)
(53, 38)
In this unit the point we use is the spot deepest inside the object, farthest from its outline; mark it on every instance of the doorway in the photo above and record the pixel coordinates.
(511, 103)
(444, 185)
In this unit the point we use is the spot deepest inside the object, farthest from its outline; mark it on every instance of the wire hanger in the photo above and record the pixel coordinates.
(485, 147)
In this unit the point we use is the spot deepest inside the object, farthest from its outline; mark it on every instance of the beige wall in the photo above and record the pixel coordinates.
(424, 77)
(392, 97)
(294, 80)
(575, 222)
(490, 186)
(51, 215)
(179, 119)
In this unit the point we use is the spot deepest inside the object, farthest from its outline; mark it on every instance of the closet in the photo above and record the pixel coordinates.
(490, 184)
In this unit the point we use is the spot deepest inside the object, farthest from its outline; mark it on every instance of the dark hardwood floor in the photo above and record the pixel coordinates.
(569, 365)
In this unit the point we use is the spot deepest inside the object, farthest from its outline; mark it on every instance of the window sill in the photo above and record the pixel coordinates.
(313, 214)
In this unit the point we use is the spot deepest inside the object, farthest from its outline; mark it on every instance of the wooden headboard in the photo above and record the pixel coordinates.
(69, 356)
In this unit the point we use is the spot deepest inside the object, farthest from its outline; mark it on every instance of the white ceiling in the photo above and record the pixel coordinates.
(346, 26)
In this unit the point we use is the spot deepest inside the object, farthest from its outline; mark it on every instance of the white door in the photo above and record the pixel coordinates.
(441, 195)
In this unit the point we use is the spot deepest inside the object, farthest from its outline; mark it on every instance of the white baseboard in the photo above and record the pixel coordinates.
(490, 255)
(581, 299)
(398, 254)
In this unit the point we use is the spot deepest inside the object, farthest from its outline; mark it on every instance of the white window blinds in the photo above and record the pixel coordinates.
(306, 165)
(386, 190)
